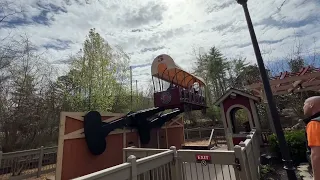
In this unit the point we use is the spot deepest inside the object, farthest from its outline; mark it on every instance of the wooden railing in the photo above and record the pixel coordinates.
(28, 163)
(250, 149)
(159, 166)
(242, 163)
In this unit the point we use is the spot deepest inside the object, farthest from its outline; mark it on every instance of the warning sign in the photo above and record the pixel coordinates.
(203, 159)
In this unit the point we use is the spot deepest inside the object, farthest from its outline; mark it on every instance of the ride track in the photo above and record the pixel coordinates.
(185, 93)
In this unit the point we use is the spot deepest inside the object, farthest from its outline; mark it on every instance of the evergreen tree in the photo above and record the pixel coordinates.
(296, 64)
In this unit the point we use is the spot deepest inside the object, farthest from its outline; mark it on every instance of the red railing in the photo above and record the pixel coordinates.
(191, 97)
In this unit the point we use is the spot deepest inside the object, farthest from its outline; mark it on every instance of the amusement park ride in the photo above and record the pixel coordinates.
(174, 89)
(83, 136)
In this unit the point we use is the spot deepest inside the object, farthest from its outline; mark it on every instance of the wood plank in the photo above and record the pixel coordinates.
(285, 80)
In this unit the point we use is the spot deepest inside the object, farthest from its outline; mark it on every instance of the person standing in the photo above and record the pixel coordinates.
(311, 109)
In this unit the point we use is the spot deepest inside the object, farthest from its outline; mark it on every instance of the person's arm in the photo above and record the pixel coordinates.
(315, 160)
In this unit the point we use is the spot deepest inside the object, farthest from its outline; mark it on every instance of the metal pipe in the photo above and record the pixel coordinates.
(288, 165)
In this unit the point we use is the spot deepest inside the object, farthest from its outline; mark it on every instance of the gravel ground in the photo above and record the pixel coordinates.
(197, 143)
(281, 174)
(49, 176)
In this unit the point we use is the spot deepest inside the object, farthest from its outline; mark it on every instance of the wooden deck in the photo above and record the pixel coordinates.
(209, 172)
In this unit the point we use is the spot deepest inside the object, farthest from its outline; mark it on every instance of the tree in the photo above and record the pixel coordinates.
(31, 99)
(22, 121)
(219, 75)
(212, 67)
(296, 64)
(68, 89)
(98, 66)
(9, 48)
(248, 75)
(236, 68)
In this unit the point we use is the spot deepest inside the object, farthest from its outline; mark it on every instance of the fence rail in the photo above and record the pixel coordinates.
(242, 163)
(158, 166)
(29, 163)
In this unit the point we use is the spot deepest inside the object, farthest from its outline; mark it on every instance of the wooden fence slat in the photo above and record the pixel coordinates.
(134, 172)
(0, 158)
(243, 172)
(40, 162)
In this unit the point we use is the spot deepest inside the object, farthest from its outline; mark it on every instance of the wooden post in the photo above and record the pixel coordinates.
(158, 139)
(246, 160)
(271, 124)
(212, 138)
(167, 136)
(187, 133)
(240, 156)
(0, 158)
(124, 145)
(139, 143)
(224, 119)
(229, 138)
(40, 161)
(255, 116)
(175, 168)
(134, 172)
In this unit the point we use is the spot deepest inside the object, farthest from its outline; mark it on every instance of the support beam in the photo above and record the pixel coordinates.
(311, 88)
(224, 119)
(285, 80)
(255, 116)
(286, 89)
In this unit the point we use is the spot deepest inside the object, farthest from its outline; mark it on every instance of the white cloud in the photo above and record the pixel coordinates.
(145, 29)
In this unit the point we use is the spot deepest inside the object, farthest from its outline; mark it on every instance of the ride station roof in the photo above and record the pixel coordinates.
(307, 79)
(163, 67)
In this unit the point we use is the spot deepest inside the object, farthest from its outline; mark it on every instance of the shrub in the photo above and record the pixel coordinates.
(265, 170)
(296, 141)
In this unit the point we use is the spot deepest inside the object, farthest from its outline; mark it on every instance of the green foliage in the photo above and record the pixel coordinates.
(265, 170)
(96, 77)
(296, 141)
(213, 112)
(241, 116)
(96, 80)
(248, 75)
(212, 66)
(296, 64)
(220, 74)
(31, 99)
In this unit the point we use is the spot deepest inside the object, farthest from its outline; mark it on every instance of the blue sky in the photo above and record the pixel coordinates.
(147, 28)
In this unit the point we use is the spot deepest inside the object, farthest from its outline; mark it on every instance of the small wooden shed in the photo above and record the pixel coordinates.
(74, 159)
(229, 103)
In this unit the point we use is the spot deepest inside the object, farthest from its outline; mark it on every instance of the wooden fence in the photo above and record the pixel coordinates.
(242, 163)
(29, 163)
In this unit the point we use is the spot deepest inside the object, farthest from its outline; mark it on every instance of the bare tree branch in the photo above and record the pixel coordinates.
(279, 8)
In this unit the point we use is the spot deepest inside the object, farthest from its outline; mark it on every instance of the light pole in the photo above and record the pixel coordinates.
(288, 165)
(131, 87)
